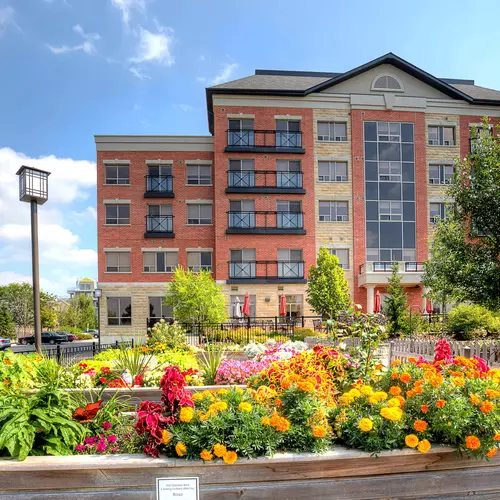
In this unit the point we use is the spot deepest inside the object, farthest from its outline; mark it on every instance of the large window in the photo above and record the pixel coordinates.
(240, 299)
(119, 311)
(118, 214)
(441, 136)
(288, 134)
(158, 310)
(242, 214)
(333, 211)
(241, 173)
(332, 131)
(288, 174)
(242, 263)
(241, 133)
(160, 262)
(343, 256)
(199, 213)
(289, 214)
(290, 264)
(159, 178)
(332, 171)
(117, 262)
(198, 261)
(441, 174)
(199, 175)
(294, 308)
(390, 191)
(117, 174)
(439, 211)
(159, 219)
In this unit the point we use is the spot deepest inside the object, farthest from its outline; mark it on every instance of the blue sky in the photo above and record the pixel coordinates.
(75, 68)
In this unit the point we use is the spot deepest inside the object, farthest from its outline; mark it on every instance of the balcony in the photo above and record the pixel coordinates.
(264, 181)
(265, 222)
(266, 272)
(159, 186)
(264, 141)
(159, 226)
(378, 273)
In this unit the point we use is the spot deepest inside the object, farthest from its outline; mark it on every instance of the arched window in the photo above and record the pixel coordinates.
(387, 82)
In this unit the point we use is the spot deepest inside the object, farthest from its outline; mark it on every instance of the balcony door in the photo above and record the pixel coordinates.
(242, 263)
(241, 133)
(242, 214)
(241, 173)
(290, 264)
(159, 178)
(288, 134)
(289, 214)
(288, 174)
(159, 218)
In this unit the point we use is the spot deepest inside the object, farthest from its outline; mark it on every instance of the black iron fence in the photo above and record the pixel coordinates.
(72, 354)
(244, 179)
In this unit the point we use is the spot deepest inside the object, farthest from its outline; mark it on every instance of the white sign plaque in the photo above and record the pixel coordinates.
(177, 488)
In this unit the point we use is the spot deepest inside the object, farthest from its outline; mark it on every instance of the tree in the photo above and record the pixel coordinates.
(7, 325)
(327, 288)
(195, 297)
(465, 249)
(80, 313)
(396, 303)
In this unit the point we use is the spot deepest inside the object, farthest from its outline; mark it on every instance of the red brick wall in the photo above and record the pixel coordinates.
(358, 185)
(266, 246)
(133, 236)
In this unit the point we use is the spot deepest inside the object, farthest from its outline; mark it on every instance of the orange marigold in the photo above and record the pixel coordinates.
(165, 437)
(475, 399)
(405, 377)
(487, 406)
(265, 421)
(394, 375)
(411, 440)
(424, 446)
(396, 362)
(492, 393)
(230, 457)
(395, 390)
(440, 403)
(420, 425)
(180, 449)
(206, 455)
(319, 431)
(424, 408)
(472, 442)
(219, 450)
(496, 437)
(491, 452)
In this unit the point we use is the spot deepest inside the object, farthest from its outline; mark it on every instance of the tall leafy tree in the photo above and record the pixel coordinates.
(327, 287)
(79, 313)
(396, 303)
(465, 249)
(7, 324)
(195, 297)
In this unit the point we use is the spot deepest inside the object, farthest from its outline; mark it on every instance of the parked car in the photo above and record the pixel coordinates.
(4, 344)
(47, 338)
(94, 333)
(71, 336)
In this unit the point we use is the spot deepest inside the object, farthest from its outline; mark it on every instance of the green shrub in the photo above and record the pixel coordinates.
(302, 333)
(70, 329)
(466, 321)
(167, 336)
(83, 336)
(109, 355)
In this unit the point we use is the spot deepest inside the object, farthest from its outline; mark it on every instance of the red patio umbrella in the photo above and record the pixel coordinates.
(246, 306)
(429, 308)
(282, 305)
(377, 306)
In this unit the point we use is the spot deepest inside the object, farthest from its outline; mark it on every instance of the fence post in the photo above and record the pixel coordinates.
(303, 322)
(132, 343)
(93, 349)
(58, 354)
(117, 344)
(276, 323)
(293, 329)
(391, 348)
(467, 353)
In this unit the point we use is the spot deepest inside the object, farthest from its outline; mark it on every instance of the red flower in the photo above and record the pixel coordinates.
(442, 351)
(102, 380)
(105, 370)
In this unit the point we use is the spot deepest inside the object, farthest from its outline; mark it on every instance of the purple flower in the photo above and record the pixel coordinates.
(112, 439)
(101, 447)
(80, 447)
(89, 441)
(106, 426)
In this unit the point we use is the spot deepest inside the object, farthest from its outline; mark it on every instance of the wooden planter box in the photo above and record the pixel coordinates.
(340, 474)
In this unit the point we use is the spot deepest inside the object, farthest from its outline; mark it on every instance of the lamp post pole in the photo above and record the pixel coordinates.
(98, 295)
(36, 276)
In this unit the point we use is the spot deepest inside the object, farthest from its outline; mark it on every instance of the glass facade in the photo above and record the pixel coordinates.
(390, 191)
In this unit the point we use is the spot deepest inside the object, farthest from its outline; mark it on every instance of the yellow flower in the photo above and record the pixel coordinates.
(206, 455)
(365, 424)
(265, 421)
(230, 457)
(474, 399)
(394, 403)
(319, 431)
(165, 437)
(411, 440)
(424, 446)
(219, 450)
(393, 414)
(239, 390)
(186, 414)
(346, 399)
(180, 449)
(223, 392)
(355, 393)
(380, 395)
(245, 407)
(197, 396)
(366, 390)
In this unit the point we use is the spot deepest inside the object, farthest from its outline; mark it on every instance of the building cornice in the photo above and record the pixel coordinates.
(154, 143)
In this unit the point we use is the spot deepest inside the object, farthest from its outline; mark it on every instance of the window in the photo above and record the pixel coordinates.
(290, 263)
(389, 132)
(389, 171)
(118, 214)
(235, 299)
(119, 311)
(198, 261)
(332, 171)
(333, 211)
(159, 178)
(160, 262)
(242, 263)
(288, 134)
(242, 214)
(439, 211)
(343, 256)
(199, 175)
(332, 131)
(241, 133)
(390, 210)
(441, 136)
(158, 310)
(241, 173)
(289, 214)
(117, 174)
(117, 262)
(441, 174)
(387, 82)
(293, 305)
(288, 174)
(199, 214)
(159, 219)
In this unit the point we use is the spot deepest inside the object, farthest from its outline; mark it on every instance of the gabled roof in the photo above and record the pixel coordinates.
(302, 83)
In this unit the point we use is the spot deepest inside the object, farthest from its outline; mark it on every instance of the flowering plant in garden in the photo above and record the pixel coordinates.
(231, 372)
(105, 442)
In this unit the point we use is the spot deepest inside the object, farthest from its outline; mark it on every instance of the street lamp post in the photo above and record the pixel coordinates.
(34, 188)
(98, 295)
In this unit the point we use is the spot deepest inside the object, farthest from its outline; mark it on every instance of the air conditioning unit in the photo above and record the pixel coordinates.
(449, 143)
(433, 181)
(323, 138)
(149, 269)
(338, 178)
(433, 142)
(340, 218)
(340, 139)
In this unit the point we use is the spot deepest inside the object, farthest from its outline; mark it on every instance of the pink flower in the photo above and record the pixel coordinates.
(89, 441)
(80, 447)
(101, 447)
(112, 439)
(106, 426)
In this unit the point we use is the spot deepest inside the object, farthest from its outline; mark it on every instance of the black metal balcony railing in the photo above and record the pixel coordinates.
(266, 271)
(264, 141)
(271, 181)
(386, 267)
(159, 226)
(414, 267)
(265, 222)
(159, 186)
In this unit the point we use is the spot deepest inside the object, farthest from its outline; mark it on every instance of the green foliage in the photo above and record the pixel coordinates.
(7, 325)
(301, 333)
(209, 361)
(396, 304)
(70, 329)
(84, 336)
(135, 360)
(48, 318)
(465, 249)
(327, 288)
(195, 297)
(467, 322)
(41, 424)
(80, 313)
(168, 336)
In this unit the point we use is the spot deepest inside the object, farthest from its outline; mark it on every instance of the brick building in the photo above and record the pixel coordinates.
(354, 161)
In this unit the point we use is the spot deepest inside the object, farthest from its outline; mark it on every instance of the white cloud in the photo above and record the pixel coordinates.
(154, 47)
(88, 46)
(7, 277)
(127, 6)
(7, 18)
(184, 107)
(139, 74)
(89, 212)
(226, 73)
